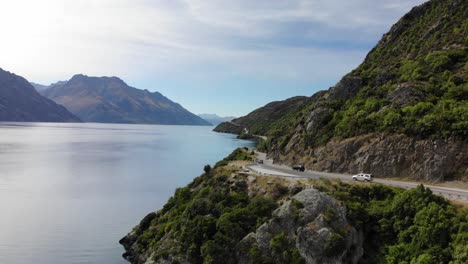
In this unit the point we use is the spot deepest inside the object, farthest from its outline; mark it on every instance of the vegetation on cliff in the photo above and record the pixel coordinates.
(228, 216)
(404, 226)
(273, 116)
(205, 220)
(414, 81)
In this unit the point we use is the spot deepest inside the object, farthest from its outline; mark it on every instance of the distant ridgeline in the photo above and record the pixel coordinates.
(403, 112)
(227, 216)
(111, 100)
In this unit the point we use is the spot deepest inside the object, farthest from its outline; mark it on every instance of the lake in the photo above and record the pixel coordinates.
(69, 192)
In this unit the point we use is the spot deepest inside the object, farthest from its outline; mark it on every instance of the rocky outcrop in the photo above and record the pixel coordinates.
(383, 155)
(316, 118)
(129, 241)
(405, 95)
(348, 87)
(311, 223)
(314, 224)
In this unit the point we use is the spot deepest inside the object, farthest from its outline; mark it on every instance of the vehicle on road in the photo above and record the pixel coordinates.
(259, 161)
(298, 167)
(362, 177)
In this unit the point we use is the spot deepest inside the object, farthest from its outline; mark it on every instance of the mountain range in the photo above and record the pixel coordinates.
(111, 100)
(402, 113)
(19, 101)
(215, 119)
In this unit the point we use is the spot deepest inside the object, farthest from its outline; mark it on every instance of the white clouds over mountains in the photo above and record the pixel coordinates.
(305, 40)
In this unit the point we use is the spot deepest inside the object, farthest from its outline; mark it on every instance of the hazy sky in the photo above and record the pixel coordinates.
(225, 57)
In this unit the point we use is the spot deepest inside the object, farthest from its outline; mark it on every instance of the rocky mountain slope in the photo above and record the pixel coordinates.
(403, 112)
(267, 118)
(19, 101)
(230, 216)
(111, 100)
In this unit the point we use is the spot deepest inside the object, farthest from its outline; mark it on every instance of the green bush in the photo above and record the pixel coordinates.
(404, 226)
(335, 243)
(207, 169)
(438, 60)
(411, 70)
(285, 251)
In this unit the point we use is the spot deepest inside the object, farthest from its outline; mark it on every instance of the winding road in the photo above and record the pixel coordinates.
(268, 168)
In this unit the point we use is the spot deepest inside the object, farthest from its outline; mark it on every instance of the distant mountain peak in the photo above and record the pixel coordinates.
(103, 79)
(111, 100)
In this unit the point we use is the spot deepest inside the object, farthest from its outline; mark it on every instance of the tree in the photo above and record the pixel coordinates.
(207, 169)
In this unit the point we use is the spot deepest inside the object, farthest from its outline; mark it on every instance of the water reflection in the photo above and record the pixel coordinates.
(69, 192)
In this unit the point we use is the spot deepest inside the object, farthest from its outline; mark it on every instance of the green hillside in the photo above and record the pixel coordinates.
(228, 216)
(415, 79)
(414, 83)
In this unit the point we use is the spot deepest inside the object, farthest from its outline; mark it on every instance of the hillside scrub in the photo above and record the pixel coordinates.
(209, 220)
(404, 226)
(412, 85)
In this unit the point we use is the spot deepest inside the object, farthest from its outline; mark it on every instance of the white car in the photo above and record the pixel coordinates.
(362, 177)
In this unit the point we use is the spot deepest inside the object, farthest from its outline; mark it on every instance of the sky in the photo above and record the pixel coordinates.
(227, 57)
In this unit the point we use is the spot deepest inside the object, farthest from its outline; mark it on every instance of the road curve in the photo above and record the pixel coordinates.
(268, 168)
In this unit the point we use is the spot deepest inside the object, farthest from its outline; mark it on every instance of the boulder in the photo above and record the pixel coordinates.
(405, 95)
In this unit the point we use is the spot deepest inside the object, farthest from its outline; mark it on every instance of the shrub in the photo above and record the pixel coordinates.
(207, 169)
(438, 60)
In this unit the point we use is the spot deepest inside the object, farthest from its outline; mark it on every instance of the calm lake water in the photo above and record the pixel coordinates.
(69, 192)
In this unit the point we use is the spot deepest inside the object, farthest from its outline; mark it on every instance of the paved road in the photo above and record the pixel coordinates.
(268, 168)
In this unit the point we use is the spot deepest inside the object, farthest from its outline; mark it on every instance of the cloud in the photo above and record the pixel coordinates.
(304, 40)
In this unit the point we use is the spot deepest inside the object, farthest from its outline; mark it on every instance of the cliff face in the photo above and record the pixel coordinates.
(111, 100)
(408, 98)
(395, 155)
(19, 101)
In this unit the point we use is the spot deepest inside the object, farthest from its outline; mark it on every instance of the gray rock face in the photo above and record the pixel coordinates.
(405, 95)
(315, 118)
(315, 224)
(387, 155)
(398, 28)
(348, 87)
